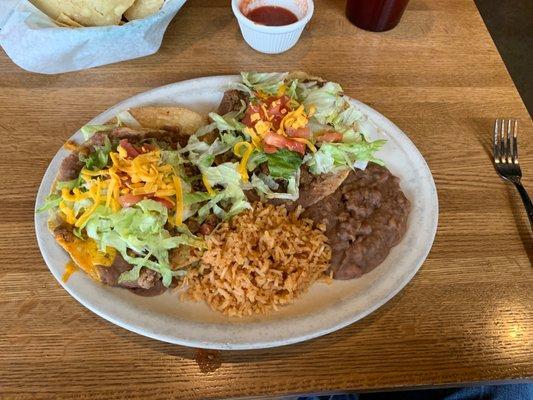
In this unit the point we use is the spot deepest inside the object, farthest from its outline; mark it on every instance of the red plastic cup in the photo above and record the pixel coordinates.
(375, 15)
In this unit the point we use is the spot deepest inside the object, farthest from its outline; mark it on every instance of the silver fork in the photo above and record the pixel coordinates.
(506, 158)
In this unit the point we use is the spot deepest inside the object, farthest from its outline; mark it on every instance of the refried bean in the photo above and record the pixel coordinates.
(365, 217)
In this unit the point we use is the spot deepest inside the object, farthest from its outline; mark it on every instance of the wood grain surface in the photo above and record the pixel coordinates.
(467, 315)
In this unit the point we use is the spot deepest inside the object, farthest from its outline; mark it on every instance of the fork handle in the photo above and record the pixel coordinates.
(526, 200)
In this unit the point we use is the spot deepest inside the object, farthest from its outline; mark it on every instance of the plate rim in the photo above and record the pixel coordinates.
(260, 344)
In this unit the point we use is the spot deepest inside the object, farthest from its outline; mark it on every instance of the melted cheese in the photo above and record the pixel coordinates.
(86, 255)
(70, 268)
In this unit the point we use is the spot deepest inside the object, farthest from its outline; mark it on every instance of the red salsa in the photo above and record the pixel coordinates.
(272, 16)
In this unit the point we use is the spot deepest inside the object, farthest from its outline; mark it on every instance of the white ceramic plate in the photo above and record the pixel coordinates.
(324, 309)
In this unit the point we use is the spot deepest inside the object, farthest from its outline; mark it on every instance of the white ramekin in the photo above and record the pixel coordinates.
(272, 39)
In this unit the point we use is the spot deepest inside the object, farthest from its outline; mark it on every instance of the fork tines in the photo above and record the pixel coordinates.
(505, 145)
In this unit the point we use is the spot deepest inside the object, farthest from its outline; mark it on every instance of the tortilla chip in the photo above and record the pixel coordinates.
(316, 191)
(85, 12)
(186, 120)
(301, 75)
(143, 8)
(62, 25)
(65, 20)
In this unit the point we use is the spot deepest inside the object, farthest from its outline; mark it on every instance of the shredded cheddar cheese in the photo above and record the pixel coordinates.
(207, 185)
(294, 119)
(244, 157)
(307, 142)
(179, 201)
(145, 175)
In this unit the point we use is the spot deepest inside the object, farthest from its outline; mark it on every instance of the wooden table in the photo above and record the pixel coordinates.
(465, 317)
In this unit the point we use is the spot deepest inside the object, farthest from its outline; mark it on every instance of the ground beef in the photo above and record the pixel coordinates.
(157, 289)
(232, 101)
(65, 232)
(364, 219)
(209, 224)
(70, 168)
(96, 140)
(148, 283)
(109, 275)
(170, 135)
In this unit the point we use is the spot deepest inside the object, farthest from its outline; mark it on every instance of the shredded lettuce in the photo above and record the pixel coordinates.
(283, 163)
(139, 235)
(225, 175)
(89, 130)
(333, 112)
(232, 196)
(82, 205)
(327, 100)
(332, 156)
(347, 118)
(98, 158)
(266, 82)
(351, 136)
(69, 184)
(240, 86)
(263, 186)
(171, 157)
(270, 182)
(257, 157)
(51, 201)
(225, 123)
(231, 199)
(291, 89)
(195, 197)
(203, 154)
(124, 118)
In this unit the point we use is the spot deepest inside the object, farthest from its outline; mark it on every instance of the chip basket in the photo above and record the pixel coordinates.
(36, 43)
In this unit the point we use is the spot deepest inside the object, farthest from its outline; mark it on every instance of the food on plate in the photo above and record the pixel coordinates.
(143, 8)
(365, 218)
(263, 259)
(79, 13)
(181, 120)
(65, 20)
(85, 12)
(245, 210)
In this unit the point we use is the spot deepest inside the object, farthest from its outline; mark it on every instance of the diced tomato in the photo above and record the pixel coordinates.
(269, 149)
(281, 142)
(277, 107)
(329, 137)
(275, 140)
(128, 200)
(130, 149)
(252, 109)
(165, 202)
(299, 133)
(295, 146)
(125, 179)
